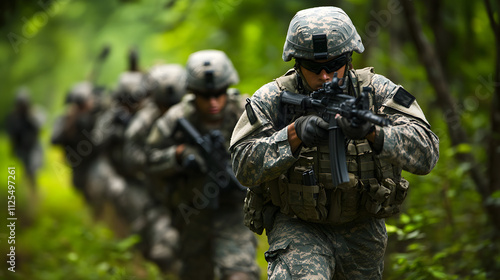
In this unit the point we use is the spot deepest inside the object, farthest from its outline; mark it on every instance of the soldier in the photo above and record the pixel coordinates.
(111, 177)
(317, 230)
(165, 85)
(72, 132)
(207, 208)
(85, 101)
(23, 126)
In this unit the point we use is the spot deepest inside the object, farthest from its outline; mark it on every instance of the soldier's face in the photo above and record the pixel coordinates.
(318, 72)
(212, 105)
(315, 81)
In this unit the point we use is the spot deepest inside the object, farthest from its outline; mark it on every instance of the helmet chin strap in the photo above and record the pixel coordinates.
(347, 68)
(302, 82)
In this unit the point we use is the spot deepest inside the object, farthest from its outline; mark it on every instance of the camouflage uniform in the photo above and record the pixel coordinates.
(72, 132)
(165, 84)
(111, 179)
(23, 127)
(346, 239)
(213, 238)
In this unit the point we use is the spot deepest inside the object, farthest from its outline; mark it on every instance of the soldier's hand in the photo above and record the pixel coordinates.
(353, 131)
(311, 130)
(190, 159)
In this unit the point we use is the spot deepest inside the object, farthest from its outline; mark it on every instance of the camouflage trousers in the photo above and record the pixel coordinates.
(304, 250)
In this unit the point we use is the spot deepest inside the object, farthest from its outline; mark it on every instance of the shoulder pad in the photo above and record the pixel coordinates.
(287, 81)
(405, 102)
(248, 123)
(236, 103)
(167, 122)
(364, 76)
(142, 121)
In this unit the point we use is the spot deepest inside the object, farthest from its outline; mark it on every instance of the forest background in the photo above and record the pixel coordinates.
(444, 52)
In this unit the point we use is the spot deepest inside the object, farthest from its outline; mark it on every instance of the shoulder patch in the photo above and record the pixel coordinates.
(403, 98)
(250, 113)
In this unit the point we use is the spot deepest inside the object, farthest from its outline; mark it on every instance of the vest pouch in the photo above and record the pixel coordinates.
(252, 211)
(393, 204)
(281, 197)
(401, 191)
(389, 207)
(344, 202)
(376, 195)
(307, 202)
(350, 198)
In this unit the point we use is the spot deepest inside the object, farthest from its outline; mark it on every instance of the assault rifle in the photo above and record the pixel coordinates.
(327, 102)
(98, 64)
(214, 153)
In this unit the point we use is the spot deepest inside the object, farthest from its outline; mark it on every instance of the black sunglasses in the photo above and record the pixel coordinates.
(329, 66)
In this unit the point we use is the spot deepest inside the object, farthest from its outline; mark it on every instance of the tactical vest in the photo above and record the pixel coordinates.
(187, 185)
(375, 188)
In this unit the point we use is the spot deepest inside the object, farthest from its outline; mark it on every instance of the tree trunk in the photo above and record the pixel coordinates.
(494, 140)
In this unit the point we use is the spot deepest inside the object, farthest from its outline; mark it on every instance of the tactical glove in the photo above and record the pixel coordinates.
(192, 161)
(312, 130)
(352, 131)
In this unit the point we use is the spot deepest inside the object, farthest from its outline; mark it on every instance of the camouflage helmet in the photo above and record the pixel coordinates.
(79, 93)
(22, 96)
(166, 83)
(210, 70)
(130, 88)
(321, 33)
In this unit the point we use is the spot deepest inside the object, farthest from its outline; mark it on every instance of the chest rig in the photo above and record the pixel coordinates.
(306, 191)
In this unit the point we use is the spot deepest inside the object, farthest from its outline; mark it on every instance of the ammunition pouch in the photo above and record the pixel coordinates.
(384, 200)
(375, 187)
(252, 211)
(258, 211)
(305, 202)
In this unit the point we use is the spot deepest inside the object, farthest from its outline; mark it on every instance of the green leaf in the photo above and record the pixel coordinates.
(128, 242)
(404, 218)
(391, 228)
(463, 148)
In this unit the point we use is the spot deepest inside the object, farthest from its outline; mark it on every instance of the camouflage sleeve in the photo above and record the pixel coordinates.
(260, 151)
(58, 137)
(104, 128)
(134, 153)
(160, 145)
(409, 142)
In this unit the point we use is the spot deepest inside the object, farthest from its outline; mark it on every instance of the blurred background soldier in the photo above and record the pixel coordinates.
(118, 179)
(85, 101)
(110, 176)
(165, 85)
(72, 132)
(207, 207)
(23, 126)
